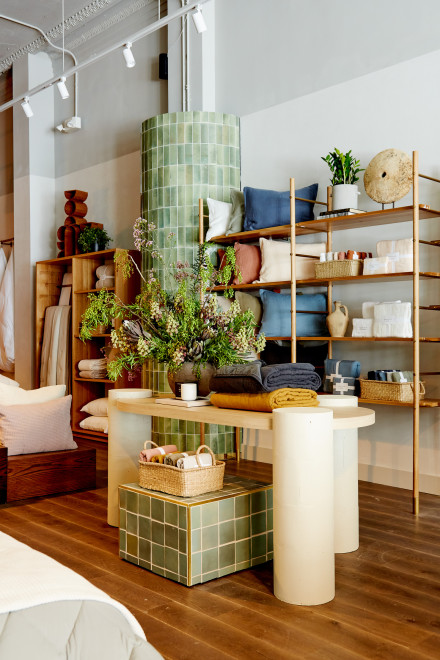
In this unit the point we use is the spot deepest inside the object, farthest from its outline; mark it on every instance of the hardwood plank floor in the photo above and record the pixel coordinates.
(387, 602)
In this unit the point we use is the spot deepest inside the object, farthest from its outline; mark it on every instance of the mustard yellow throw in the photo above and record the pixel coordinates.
(286, 397)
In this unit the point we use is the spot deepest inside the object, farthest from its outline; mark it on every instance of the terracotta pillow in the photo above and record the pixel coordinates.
(248, 259)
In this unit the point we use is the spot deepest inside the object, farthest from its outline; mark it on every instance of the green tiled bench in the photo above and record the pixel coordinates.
(196, 539)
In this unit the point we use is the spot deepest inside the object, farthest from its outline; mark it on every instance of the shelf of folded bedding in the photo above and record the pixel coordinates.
(107, 288)
(384, 277)
(252, 286)
(283, 231)
(424, 403)
(362, 220)
(407, 339)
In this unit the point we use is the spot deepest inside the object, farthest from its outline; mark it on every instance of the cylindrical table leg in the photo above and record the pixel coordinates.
(127, 433)
(346, 477)
(304, 559)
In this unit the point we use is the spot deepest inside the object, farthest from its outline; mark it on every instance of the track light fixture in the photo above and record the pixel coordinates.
(62, 88)
(128, 56)
(199, 21)
(27, 107)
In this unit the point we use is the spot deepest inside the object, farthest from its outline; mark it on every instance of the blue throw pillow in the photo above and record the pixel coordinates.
(269, 208)
(276, 314)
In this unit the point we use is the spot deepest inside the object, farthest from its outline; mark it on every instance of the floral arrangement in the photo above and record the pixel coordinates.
(182, 323)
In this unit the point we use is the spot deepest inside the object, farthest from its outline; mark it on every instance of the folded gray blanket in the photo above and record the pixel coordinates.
(253, 377)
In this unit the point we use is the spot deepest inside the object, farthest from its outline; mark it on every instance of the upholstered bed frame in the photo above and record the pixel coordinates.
(45, 473)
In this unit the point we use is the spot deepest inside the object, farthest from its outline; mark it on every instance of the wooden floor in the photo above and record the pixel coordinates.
(387, 601)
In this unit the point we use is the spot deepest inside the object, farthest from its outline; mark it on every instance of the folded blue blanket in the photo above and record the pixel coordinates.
(332, 368)
(253, 377)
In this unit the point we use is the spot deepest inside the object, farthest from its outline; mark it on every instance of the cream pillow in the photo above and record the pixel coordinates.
(37, 427)
(97, 407)
(95, 424)
(224, 303)
(219, 214)
(9, 381)
(12, 396)
(275, 260)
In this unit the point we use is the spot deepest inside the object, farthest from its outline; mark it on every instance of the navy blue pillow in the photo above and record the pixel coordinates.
(269, 208)
(276, 314)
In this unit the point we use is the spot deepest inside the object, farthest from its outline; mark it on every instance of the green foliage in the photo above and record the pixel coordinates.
(228, 269)
(185, 325)
(91, 235)
(344, 167)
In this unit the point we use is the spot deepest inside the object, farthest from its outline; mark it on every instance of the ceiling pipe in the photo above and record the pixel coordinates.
(91, 60)
(62, 50)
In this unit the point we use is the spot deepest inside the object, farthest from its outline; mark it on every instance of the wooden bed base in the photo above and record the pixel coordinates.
(46, 473)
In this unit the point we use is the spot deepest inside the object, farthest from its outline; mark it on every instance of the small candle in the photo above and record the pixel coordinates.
(188, 391)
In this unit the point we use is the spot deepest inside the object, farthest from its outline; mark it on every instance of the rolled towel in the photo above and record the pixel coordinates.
(286, 397)
(298, 375)
(147, 454)
(97, 363)
(105, 283)
(191, 462)
(171, 459)
(106, 270)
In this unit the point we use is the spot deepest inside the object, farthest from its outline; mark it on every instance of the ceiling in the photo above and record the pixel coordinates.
(89, 25)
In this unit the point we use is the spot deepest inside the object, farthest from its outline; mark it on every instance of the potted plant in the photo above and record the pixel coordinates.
(180, 325)
(92, 239)
(345, 169)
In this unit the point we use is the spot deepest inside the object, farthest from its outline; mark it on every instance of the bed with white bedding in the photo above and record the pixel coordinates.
(49, 612)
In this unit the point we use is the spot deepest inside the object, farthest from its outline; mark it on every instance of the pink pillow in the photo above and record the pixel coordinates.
(248, 259)
(29, 428)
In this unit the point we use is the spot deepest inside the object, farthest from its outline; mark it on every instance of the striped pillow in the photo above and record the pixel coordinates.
(36, 427)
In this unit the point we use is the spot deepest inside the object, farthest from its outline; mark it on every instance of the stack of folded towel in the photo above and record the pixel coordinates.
(286, 397)
(391, 375)
(392, 319)
(106, 276)
(96, 368)
(255, 377)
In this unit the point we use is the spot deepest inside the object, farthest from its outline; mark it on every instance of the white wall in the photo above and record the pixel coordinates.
(395, 107)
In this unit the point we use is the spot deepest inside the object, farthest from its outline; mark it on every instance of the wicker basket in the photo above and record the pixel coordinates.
(184, 483)
(340, 268)
(384, 391)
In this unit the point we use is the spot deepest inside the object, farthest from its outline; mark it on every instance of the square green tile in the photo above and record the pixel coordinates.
(183, 514)
(123, 540)
(227, 555)
(158, 555)
(144, 527)
(269, 518)
(242, 506)
(195, 517)
(172, 536)
(209, 513)
(242, 528)
(171, 560)
(132, 523)
(243, 551)
(183, 536)
(258, 546)
(269, 495)
(227, 532)
(158, 532)
(145, 506)
(132, 545)
(258, 523)
(183, 564)
(171, 513)
(196, 564)
(210, 537)
(258, 501)
(196, 540)
(144, 550)
(122, 498)
(122, 519)
(157, 509)
(209, 560)
(270, 542)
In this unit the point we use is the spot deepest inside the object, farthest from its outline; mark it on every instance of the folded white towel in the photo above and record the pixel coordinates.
(368, 310)
(399, 253)
(105, 283)
(392, 319)
(95, 364)
(191, 461)
(106, 270)
(376, 266)
(362, 328)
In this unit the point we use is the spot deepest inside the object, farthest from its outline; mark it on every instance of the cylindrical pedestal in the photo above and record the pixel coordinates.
(346, 477)
(127, 433)
(304, 559)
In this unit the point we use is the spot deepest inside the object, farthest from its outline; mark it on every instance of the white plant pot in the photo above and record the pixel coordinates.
(345, 196)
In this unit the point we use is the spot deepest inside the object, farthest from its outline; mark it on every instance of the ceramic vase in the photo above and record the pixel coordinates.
(186, 375)
(345, 196)
(337, 321)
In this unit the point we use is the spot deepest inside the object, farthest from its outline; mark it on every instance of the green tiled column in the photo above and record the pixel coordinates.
(186, 156)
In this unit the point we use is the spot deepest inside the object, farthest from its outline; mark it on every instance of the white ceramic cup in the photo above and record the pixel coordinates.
(188, 391)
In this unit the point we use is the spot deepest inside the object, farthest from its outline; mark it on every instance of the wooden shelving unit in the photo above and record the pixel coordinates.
(418, 214)
(49, 276)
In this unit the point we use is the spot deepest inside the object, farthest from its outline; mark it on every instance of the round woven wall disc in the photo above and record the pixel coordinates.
(388, 176)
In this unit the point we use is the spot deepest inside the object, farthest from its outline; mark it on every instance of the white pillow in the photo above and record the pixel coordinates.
(95, 424)
(219, 216)
(97, 407)
(9, 381)
(275, 260)
(31, 428)
(12, 396)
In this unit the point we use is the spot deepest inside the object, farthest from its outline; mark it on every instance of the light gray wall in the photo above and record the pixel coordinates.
(270, 52)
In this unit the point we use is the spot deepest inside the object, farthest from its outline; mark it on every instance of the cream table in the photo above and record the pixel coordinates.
(303, 438)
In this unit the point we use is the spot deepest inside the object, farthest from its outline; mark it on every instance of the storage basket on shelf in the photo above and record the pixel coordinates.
(339, 268)
(384, 391)
(184, 483)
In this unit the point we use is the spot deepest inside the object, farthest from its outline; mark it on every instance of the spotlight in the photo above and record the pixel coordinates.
(128, 55)
(199, 21)
(27, 107)
(62, 88)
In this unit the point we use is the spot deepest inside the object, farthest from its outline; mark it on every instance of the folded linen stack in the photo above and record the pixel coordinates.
(392, 319)
(97, 411)
(362, 328)
(146, 455)
(391, 375)
(94, 368)
(254, 377)
(399, 255)
(341, 376)
(106, 276)
(286, 397)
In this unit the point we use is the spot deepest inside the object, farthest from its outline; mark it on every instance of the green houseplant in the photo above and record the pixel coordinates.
(92, 239)
(177, 324)
(345, 169)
